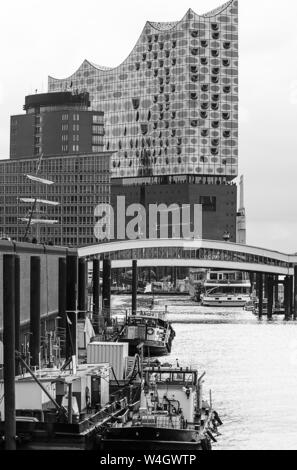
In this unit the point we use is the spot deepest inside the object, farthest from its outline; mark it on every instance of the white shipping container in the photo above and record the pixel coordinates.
(115, 354)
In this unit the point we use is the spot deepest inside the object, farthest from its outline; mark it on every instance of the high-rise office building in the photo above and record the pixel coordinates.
(171, 114)
(56, 124)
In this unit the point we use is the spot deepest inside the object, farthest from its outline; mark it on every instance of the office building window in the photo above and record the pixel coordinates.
(64, 127)
(75, 148)
(65, 117)
(96, 139)
(75, 117)
(75, 127)
(97, 119)
(75, 138)
(96, 148)
(64, 137)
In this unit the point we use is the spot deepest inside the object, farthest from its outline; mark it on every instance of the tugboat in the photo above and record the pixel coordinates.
(171, 415)
(150, 329)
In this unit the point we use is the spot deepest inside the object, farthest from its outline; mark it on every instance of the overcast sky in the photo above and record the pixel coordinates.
(41, 38)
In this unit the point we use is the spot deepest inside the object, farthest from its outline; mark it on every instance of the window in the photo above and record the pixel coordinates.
(65, 117)
(194, 69)
(226, 62)
(214, 79)
(75, 138)
(75, 148)
(226, 134)
(96, 148)
(204, 132)
(203, 61)
(215, 70)
(194, 51)
(203, 114)
(204, 43)
(226, 89)
(204, 105)
(97, 119)
(97, 129)
(64, 127)
(194, 34)
(209, 203)
(75, 117)
(204, 87)
(215, 53)
(64, 137)
(215, 26)
(226, 45)
(64, 148)
(75, 127)
(215, 35)
(96, 139)
(226, 116)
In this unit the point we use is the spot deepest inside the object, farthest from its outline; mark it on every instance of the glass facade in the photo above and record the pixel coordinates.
(200, 254)
(171, 108)
(81, 182)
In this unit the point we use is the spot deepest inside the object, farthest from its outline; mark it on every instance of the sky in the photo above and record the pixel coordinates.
(41, 38)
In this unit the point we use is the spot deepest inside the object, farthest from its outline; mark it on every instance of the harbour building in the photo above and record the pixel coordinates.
(171, 115)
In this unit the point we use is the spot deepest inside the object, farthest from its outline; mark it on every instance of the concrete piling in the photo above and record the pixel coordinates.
(82, 286)
(35, 323)
(96, 294)
(9, 350)
(134, 287)
(106, 289)
(71, 305)
(260, 293)
(17, 311)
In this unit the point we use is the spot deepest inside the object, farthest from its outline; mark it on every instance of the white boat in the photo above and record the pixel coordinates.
(226, 289)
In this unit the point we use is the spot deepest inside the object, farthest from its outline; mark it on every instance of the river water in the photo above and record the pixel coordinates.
(251, 368)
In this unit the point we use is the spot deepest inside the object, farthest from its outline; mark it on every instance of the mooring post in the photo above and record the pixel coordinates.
(260, 287)
(17, 311)
(134, 286)
(82, 286)
(96, 281)
(270, 291)
(62, 304)
(9, 350)
(106, 289)
(71, 305)
(295, 292)
(35, 324)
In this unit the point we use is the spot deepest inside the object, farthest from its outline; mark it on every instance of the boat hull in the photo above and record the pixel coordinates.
(152, 438)
(223, 303)
(150, 349)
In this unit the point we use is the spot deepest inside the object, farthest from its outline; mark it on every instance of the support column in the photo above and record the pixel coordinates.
(291, 296)
(96, 287)
(287, 298)
(62, 287)
(295, 292)
(260, 294)
(35, 310)
(8, 350)
(106, 289)
(270, 292)
(276, 291)
(134, 287)
(17, 311)
(71, 305)
(82, 287)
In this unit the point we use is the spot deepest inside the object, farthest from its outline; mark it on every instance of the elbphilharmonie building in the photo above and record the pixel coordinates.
(171, 111)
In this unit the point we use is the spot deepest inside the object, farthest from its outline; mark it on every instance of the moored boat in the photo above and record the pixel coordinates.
(226, 289)
(171, 415)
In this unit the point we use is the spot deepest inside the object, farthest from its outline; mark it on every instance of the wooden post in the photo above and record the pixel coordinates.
(134, 286)
(9, 350)
(35, 310)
